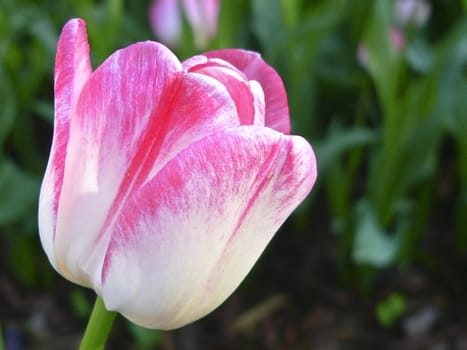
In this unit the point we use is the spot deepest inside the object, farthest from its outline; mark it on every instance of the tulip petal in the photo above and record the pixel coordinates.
(236, 85)
(254, 67)
(185, 240)
(72, 69)
(136, 111)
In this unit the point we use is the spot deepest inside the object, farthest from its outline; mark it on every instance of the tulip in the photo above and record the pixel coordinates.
(165, 17)
(166, 180)
(411, 12)
(166, 21)
(397, 40)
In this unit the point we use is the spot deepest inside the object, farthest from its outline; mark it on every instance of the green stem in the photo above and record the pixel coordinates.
(98, 328)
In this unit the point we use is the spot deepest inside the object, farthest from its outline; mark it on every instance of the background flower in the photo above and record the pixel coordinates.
(166, 19)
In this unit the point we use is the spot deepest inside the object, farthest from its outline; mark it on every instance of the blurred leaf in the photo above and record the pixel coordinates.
(382, 56)
(231, 26)
(290, 10)
(391, 309)
(22, 251)
(145, 338)
(339, 141)
(267, 21)
(45, 110)
(413, 119)
(82, 307)
(295, 53)
(419, 55)
(7, 106)
(104, 24)
(43, 30)
(337, 174)
(301, 43)
(461, 222)
(461, 201)
(18, 193)
(373, 245)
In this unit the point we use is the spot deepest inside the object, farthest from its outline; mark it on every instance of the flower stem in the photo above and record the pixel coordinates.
(98, 328)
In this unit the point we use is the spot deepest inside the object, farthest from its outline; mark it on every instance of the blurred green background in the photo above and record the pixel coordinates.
(380, 94)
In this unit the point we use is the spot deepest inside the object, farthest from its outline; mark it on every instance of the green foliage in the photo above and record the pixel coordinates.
(378, 126)
(391, 309)
(19, 193)
(80, 304)
(145, 338)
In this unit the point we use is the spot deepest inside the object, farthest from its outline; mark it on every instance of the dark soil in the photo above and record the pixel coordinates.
(297, 297)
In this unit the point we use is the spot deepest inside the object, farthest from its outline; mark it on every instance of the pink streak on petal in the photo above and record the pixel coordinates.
(111, 117)
(199, 226)
(259, 104)
(136, 112)
(197, 108)
(254, 67)
(238, 89)
(72, 69)
(194, 63)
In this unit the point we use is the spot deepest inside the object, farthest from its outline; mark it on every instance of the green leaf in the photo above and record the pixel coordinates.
(372, 245)
(340, 141)
(21, 254)
(145, 338)
(267, 21)
(290, 10)
(382, 56)
(391, 309)
(18, 193)
(419, 55)
(7, 106)
(80, 303)
(231, 25)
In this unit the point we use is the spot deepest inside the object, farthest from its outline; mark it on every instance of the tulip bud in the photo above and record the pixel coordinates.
(414, 12)
(166, 21)
(202, 16)
(397, 40)
(166, 180)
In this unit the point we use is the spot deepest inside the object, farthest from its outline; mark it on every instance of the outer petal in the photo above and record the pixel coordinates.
(186, 240)
(166, 21)
(135, 113)
(72, 69)
(254, 67)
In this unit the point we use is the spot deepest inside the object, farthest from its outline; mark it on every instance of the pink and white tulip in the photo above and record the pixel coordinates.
(166, 180)
(165, 17)
(397, 39)
(412, 12)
